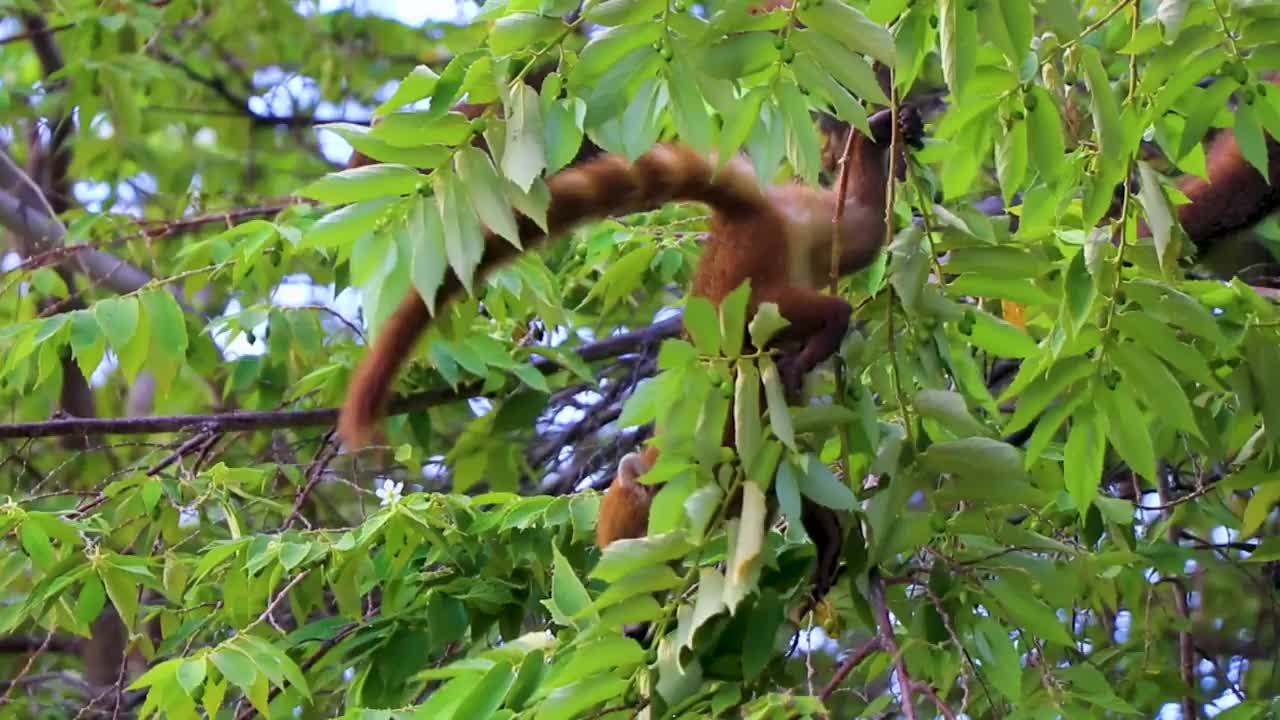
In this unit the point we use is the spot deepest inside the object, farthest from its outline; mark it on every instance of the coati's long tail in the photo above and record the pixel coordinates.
(604, 186)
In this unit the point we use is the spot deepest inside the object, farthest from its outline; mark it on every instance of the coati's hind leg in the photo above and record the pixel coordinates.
(824, 529)
(820, 320)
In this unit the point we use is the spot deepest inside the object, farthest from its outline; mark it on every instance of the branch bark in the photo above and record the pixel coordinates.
(278, 419)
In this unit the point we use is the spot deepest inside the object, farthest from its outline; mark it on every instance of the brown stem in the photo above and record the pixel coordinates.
(851, 661)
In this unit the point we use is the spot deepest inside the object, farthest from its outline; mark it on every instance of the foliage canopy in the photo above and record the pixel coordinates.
(179, 234)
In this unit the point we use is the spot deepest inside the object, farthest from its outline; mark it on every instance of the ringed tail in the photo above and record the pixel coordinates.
(606, 185)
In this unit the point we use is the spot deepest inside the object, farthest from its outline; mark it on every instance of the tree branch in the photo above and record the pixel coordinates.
(851, 661)
(39, 230)
(278, 419)
(35, 33)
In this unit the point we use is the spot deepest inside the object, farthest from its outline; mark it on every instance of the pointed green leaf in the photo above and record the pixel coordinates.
(363, 183)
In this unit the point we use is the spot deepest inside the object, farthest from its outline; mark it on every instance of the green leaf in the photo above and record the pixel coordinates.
(292, 554)
(373, 256)
(604, 50)
(571, 701)
(733, 319)
(1170, 305)
(523, 158)
(1248, 132)
(958, 44)
(1079, 291)
(415, 86)
(1000, 338)
(814, 78)
(416, 128)
(849, 27)
(363, 183)
(613, 653)
(1027, 611)
(624, 276)
(463, 237)
(1156, 208)
(1113, 150)
(740, 55)
(688, 109)
(850, 70)
(122, 588)
(625, 556)
(118, 318)
(642, 581)
(976, 458)
(802, 142)
(951, 411)
(766, 323)
(747, 434)
(344, 225)
(820, 485)
(740, 120)
(426, 236)
(702, 324)
(1209, 104)
(486, 192)
(1083, 456)
(168, 326)
(422, 157)
(1158, 338)
(522, 31)
(1129, 431)
(746, 541)
(1012, 157)
(999, 657)
(35, 541)
(622, 12)
(487, 694)
(563, 130)
(529, 677)
(88, 342)
(999, 262)
(1263, 357)
(779, 414)
(567, 591)
(236, 667)
(1156, 386)
(191, 673)
(93, 597)
(1046, 142)
(531, 203)
(759, 645)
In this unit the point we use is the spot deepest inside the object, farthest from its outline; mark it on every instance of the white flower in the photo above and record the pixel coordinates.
(389, 492)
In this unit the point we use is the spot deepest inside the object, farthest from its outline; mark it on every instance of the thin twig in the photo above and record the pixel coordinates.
(851, 661)
(26, 668)
(315, 657)
(275, 602)
(323, 456)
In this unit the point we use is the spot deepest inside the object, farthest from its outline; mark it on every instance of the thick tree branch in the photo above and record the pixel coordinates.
(889, 643)
(34, 33)
(278, 419)
(38, 230)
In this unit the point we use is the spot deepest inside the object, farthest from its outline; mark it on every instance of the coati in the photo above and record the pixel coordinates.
(778, 237)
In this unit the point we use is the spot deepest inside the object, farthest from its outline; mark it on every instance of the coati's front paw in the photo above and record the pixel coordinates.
(910, 126)
(791, 373)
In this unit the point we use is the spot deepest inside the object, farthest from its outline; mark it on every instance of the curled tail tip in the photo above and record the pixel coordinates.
(356, 427)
